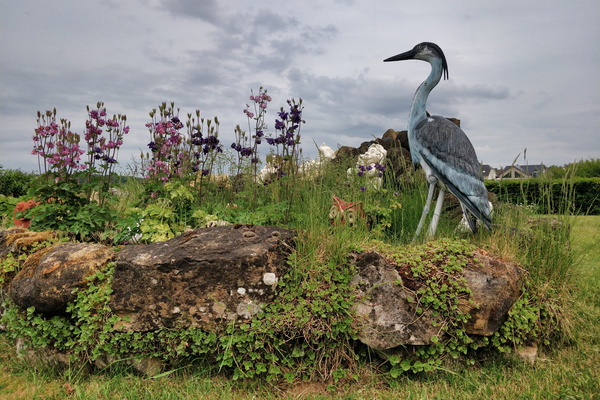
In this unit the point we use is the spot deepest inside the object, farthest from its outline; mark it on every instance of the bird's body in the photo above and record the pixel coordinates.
(442, 148)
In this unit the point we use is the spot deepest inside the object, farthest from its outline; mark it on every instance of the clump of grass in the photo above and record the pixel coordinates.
(541, 244)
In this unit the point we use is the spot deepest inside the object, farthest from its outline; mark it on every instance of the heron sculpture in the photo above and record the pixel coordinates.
(442, 149)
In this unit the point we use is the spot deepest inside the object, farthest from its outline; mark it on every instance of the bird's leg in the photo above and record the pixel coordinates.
(436, 213)
(432, 182)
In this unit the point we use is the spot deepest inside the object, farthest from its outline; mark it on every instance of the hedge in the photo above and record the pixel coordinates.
(578, 196)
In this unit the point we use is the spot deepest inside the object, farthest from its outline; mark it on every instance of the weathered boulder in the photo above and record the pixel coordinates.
(205, 278)
(387, 316)
(49, 276)
(17, 239)
(395, 143)
(208, 278)
(495, 286)
(387, 307)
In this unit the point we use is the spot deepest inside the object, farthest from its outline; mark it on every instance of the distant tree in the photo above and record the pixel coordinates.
(556, 172)
(580, 169)
(588, 168)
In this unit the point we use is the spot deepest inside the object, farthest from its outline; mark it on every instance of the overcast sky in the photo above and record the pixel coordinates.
(523, 74)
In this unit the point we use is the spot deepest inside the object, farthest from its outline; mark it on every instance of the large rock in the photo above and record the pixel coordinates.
(495, 286)
(18, 240)
(205, 278)
(49, 276)
(386, 313)
(387, 306)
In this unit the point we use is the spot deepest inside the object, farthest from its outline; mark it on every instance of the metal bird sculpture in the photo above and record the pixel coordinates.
(442, 149)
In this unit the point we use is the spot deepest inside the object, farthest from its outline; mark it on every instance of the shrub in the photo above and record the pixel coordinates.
(14, 182)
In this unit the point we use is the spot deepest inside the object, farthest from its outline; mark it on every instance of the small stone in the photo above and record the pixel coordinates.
(270, 279)
(527, 353)
(248, 310)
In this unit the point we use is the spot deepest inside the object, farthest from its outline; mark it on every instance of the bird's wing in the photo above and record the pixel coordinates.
(451, 156)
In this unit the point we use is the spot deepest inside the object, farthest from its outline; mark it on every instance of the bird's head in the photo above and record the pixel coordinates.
(425, 51)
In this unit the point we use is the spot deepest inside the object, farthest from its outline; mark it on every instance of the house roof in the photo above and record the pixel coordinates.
(525, 169)
(486, 169)
(530, 169)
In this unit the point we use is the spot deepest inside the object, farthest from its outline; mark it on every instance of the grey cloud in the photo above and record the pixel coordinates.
(481, 92)
(206, 10)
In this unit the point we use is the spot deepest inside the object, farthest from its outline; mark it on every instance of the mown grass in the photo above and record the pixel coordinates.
(569, 371)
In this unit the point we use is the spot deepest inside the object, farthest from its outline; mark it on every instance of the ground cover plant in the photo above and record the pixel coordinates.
(303, 346)
(561, 372)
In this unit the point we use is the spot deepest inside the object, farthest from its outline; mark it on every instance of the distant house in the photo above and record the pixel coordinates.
(487, 171)
(521, 171)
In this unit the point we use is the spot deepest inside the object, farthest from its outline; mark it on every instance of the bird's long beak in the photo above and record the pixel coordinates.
(407, 55)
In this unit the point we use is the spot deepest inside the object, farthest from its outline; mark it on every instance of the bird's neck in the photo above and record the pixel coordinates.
(418, 109)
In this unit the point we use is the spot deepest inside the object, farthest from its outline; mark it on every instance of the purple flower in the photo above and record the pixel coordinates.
(279, 125)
